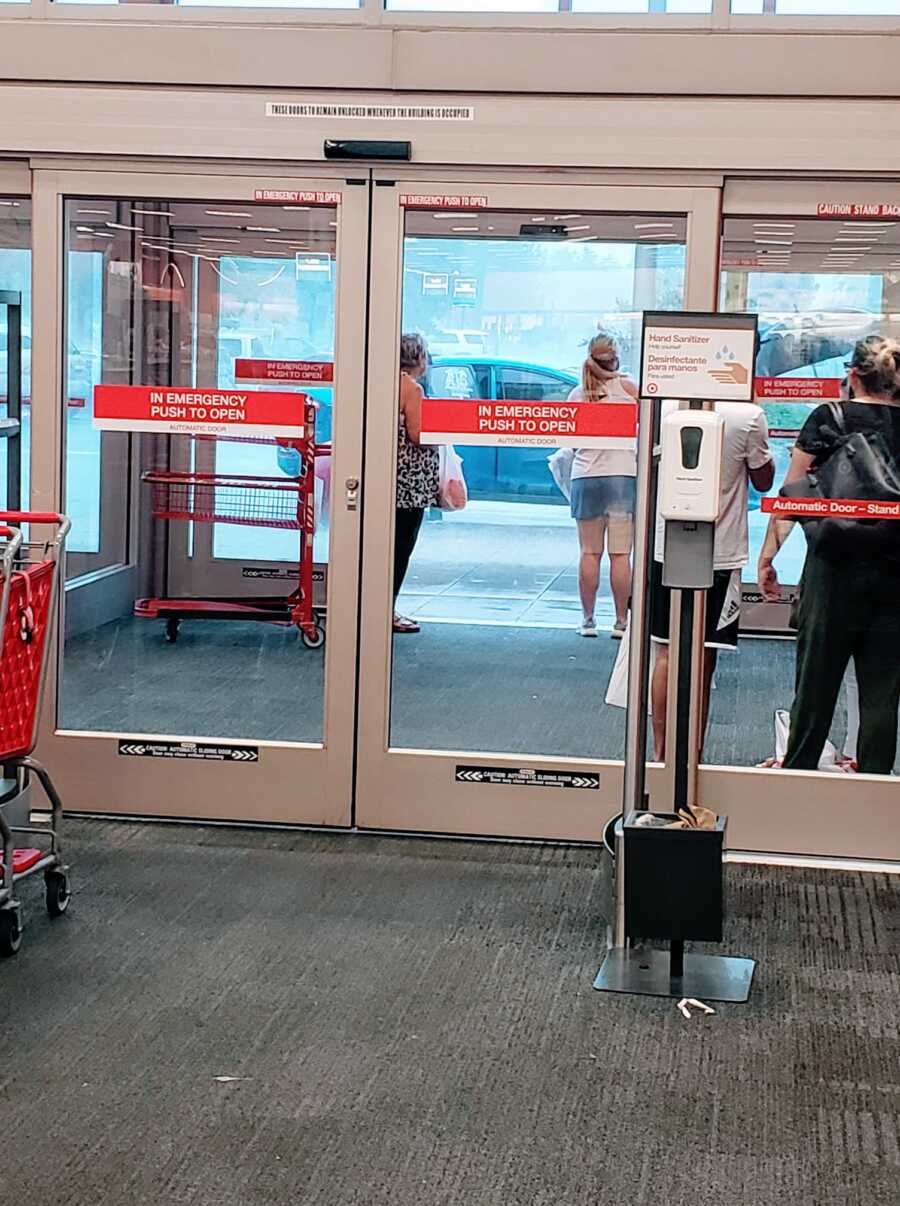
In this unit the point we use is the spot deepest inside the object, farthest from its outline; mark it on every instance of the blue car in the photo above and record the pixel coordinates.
(501, 474)
(495, 474)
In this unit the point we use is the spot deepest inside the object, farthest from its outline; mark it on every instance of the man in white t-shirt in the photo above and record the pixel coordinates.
(746, 458)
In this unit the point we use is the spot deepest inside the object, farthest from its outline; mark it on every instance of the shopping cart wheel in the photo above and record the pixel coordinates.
(315, 639)
(10, 932)
(58, 895)
(172, 627)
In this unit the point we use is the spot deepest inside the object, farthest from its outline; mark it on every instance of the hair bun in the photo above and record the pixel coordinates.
(877, 362)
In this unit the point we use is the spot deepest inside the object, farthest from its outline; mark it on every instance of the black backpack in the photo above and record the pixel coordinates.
(862, 467)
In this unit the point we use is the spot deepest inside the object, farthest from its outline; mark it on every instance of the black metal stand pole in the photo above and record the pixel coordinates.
(676, 959)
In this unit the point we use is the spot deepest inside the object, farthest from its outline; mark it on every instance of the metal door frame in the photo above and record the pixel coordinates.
(415, 790)
(303, 783)
(804, 812)
(11, 447)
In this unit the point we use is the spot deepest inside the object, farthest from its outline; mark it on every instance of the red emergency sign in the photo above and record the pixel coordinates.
(529, 424)
(442, 201)
(286, 196)
(218, 412)
(305, 371)
(830, 508)
(797, 389)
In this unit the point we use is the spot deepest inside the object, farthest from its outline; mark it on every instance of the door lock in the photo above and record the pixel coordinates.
(352, 487)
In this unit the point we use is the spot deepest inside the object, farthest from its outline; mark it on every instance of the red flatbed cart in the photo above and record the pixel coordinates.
(29, 584)
(287, 503)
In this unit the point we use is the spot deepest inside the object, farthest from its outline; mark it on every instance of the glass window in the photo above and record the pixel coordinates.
(642, 6)
(532, 385)
(818, 8)
(819, 286)
(491, 606)
(15, 276)
(173, 532)
(611, 7)
(472, 6)
(455, 381)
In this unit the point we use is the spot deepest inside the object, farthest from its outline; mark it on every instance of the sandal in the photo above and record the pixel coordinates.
(402, 624)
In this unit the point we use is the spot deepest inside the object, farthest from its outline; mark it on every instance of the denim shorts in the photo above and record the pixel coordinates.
(601, 497)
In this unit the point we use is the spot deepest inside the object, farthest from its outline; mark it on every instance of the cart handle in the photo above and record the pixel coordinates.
(39, 517)
(32, 517)
(9, 550)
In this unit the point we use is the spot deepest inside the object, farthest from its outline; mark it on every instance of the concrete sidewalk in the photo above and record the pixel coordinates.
(517, 563)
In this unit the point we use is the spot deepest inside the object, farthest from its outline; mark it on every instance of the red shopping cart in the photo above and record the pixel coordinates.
(287, 503)
(29, 584)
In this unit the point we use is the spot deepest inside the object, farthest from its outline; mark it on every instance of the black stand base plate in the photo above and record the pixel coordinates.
(647, 973)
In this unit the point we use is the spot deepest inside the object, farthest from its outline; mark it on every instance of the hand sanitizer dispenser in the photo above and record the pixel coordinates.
(690, 474)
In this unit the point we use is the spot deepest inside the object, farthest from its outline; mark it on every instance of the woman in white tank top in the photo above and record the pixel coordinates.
(603, 491)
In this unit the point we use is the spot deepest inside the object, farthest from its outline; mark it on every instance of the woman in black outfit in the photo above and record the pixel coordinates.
(850, 605)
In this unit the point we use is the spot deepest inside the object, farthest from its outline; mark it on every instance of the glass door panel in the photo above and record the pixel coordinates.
(817, 292)
(185, 294)
(820, 286)
(507, 304)
(182, 288)
(183, 685)
(15, 276)
(504, 638)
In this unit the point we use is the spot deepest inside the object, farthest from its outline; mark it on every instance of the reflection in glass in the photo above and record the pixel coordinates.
(175, 294)
(508, 307)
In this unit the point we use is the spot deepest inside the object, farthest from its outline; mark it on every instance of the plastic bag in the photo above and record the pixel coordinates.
(453, 493)
(560, 466)
(829, 761)
(617, 688)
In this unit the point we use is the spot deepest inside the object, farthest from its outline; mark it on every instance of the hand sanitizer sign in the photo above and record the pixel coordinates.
(698, 357)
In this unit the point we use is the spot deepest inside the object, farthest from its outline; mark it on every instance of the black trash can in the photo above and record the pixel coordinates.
(674, 886)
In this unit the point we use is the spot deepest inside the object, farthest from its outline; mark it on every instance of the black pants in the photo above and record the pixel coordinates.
(846, 610)
(406, 533)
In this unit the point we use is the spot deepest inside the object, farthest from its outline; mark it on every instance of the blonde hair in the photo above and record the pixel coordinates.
(413, 350)
(876, 361)
(592, 384)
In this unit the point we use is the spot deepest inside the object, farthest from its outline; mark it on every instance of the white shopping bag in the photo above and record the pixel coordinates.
(617, 688)
(453, 492)
(560, 466)
(829, 761)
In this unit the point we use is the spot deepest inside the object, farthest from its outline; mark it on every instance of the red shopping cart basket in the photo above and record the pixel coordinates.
(254, 501)
(29, 578)
(27, 593)
(261, 502)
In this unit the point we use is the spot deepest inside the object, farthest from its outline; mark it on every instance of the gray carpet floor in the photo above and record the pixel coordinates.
(480, 687)
(413, 1022)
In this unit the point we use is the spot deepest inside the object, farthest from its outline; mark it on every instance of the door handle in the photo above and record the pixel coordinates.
(351, 485)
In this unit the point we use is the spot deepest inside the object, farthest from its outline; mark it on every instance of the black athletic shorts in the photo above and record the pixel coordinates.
(723, 608)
